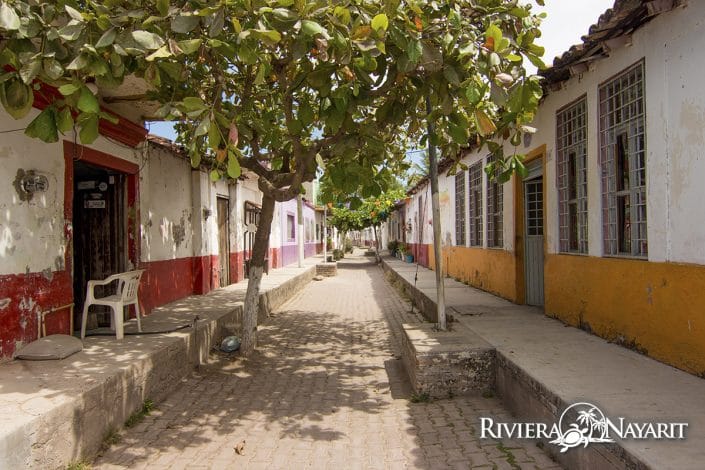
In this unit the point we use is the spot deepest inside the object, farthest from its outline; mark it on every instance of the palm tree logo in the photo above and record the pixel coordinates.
(590, 426)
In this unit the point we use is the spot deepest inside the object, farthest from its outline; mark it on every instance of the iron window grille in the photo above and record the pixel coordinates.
(623, 163)
(571, 162)
(495, 205)
(460, 208)
(475, 204)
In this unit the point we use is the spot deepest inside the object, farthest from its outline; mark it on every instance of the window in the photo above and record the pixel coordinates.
(571, 173)
(623, 162)
(475, 205)
(291, 227)
(460, 209)
(495, 205)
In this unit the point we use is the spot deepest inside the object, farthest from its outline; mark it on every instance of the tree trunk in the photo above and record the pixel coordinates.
(259, 252)
(377, 257)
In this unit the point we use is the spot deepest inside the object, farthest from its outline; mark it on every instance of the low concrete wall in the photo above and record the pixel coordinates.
(426, 306)
(531, 401)
(73, 426)
(327, 269)
(447, 363)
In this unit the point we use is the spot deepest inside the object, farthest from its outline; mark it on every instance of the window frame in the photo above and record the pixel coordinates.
(572, 177)
(622, 122)
(460, 222)
(476, 204)
(495, 213)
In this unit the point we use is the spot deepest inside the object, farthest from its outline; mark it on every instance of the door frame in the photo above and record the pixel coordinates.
(75, 152)
(519, 225)
(226, 251)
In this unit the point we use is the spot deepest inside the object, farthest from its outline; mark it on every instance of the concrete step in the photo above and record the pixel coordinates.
(56, 412)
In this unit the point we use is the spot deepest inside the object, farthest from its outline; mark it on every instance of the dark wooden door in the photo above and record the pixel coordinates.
(99, 227)
(223, 241)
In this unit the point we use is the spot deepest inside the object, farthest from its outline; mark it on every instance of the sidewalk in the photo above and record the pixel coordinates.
(544, 366)
(326, 390)
(55, 412)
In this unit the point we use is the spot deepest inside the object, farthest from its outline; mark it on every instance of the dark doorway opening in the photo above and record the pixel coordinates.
(223, 241)
(99, 233)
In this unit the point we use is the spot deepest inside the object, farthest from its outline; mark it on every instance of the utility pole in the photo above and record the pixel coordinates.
(325, 234)
(436, 211)
(300, 238)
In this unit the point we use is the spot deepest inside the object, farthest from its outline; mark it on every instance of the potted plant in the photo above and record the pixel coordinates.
(393, 246)
(401, 250)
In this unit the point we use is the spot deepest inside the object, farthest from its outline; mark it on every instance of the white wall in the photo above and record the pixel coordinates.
(165, 206)
(32, 233)
(672, 47)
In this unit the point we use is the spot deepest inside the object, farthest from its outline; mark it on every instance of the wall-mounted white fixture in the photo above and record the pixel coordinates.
(34, 183)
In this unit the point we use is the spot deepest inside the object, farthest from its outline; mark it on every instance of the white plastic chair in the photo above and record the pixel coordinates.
(126, 294)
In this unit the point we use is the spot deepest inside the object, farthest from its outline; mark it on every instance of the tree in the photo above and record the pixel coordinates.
(281, 87)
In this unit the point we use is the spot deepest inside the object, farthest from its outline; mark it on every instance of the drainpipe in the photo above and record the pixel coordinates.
(325, 234)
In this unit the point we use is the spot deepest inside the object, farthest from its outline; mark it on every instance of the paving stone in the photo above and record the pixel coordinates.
(325, 389)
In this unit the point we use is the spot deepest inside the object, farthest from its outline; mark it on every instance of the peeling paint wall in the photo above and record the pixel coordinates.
(35, 237)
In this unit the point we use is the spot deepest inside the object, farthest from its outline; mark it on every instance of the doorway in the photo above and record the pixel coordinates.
(100, 233)
(534, 227)
(223, 241)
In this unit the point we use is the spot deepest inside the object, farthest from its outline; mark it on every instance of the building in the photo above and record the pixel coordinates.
(73, 212)
(606, 232)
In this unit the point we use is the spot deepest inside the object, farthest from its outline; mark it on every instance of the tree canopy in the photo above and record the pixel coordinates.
(283, 86)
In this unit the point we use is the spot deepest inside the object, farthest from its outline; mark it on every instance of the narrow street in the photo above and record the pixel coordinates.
(326, 389)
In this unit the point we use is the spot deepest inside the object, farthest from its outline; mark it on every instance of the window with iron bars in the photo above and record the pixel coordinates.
(623, 162)
(571, 174)
(495, 206)
(475, 204)
(460, 208)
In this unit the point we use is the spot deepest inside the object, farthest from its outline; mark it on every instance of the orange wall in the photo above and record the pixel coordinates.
(655, 308)
(487, 269)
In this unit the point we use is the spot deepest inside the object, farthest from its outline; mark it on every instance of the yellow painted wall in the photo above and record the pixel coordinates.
(490, 270)
(656, 308)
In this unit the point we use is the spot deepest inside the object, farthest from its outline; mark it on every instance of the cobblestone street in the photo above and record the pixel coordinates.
(326, 389)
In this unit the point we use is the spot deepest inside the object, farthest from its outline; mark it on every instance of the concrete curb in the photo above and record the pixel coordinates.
(72, 427)
(525, 396)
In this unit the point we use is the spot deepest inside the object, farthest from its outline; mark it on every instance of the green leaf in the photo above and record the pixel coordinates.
(31, 69)
(214, 175)
(160, 53)
(495, 33)
(43, 127)
(71, 32)
(149, 41)
(87, 101)
(190, 46)
(203, 127)
(234, 169)
(16, 97)
(80, 62)
(64, 120)
(184, 23)
(73, 13)
(268, 35)
(9, 20)
(193, 103)
(414, 51)
(163, 7)
(69, 89)
(89, 128)
(214, 137)
(311, 28)
(380, 22)
(343, 14)
(107, 39)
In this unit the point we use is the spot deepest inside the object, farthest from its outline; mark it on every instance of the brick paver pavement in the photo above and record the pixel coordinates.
(326, 389)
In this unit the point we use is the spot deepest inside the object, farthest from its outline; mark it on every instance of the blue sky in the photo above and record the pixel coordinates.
(567, 21)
